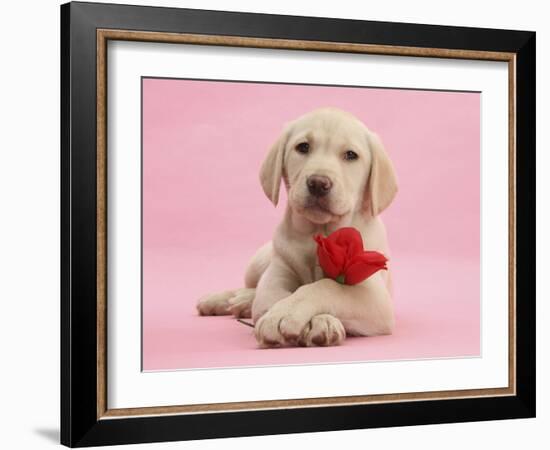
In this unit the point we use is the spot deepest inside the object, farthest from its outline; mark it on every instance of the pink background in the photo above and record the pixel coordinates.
(204, 214)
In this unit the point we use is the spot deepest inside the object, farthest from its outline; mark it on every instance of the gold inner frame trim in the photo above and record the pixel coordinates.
(104, 35)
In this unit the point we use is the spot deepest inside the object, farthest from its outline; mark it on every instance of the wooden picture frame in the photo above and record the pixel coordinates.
(86, 418)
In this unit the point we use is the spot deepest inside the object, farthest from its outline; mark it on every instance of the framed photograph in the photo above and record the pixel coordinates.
(278, 224)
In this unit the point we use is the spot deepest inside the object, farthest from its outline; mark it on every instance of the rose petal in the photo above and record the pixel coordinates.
(348, 238)
(361, 267)
(332, 257)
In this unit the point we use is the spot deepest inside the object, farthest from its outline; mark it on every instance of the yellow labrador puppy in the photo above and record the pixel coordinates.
(337, 174)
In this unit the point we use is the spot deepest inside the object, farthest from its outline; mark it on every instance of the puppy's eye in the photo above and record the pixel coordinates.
(302, 147)
(350, 155)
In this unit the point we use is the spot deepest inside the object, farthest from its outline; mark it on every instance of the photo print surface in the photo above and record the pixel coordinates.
(205, 214)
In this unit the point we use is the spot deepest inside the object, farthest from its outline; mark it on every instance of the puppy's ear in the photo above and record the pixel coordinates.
(272, 169)
(381, 185)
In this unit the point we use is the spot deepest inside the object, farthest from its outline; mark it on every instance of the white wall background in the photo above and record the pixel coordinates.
(29, 225)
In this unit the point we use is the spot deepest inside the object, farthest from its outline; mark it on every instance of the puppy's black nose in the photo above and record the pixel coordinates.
(318, 185)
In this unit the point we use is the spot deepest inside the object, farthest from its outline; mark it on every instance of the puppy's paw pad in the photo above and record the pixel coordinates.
(281, 325)
(290, 329)
(323, 330)
(266, 332)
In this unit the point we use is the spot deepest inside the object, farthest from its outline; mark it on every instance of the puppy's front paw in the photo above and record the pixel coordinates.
(322, 330)
(279, 327)
(215, 304)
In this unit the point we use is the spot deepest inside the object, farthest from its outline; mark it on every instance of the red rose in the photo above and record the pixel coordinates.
(343, 259)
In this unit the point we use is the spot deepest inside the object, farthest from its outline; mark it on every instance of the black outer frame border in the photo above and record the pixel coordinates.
(79, 424)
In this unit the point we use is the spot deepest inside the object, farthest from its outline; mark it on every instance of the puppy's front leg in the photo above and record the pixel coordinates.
(276, 283)
(364, 309)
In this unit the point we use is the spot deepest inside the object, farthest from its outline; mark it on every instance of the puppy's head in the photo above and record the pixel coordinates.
(332, 165)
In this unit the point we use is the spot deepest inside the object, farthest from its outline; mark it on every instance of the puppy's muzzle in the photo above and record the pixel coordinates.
(319, 185)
